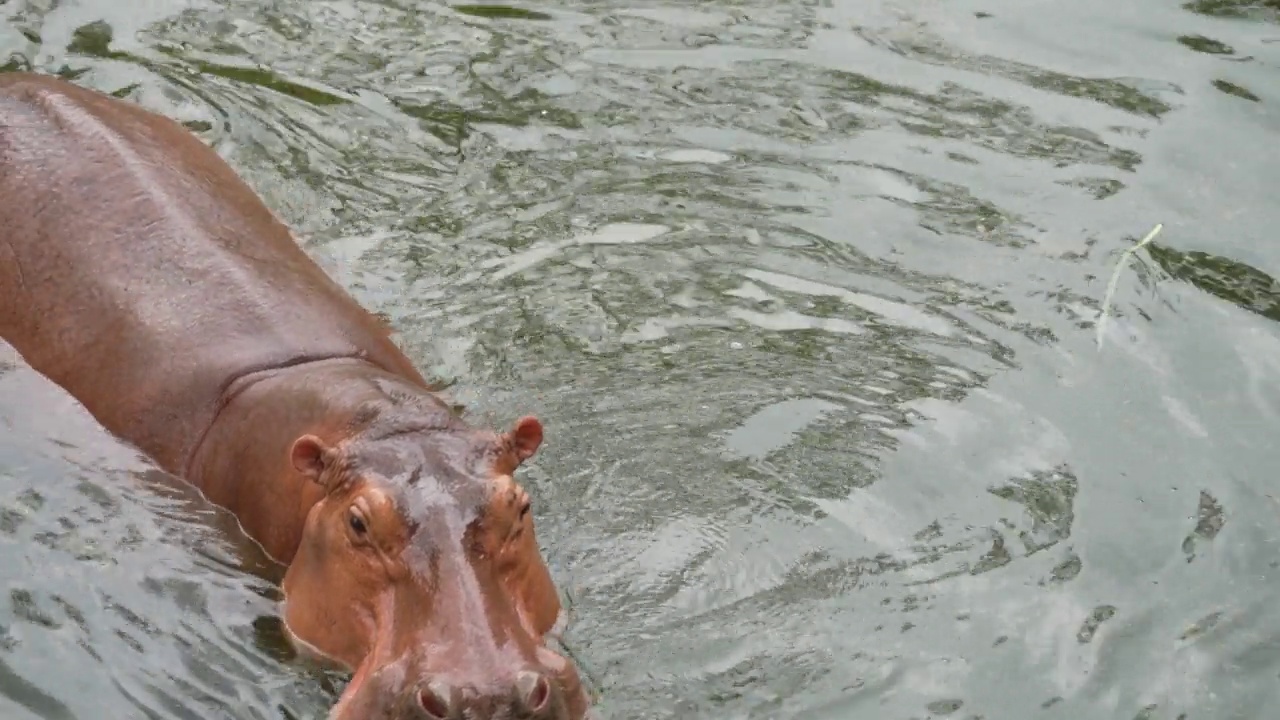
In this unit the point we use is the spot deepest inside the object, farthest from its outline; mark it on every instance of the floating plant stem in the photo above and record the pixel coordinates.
(1104, 312)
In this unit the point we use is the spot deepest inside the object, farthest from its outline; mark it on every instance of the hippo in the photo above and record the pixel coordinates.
(143, 276)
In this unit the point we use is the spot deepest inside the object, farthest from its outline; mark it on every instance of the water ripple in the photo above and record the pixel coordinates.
(804, 294)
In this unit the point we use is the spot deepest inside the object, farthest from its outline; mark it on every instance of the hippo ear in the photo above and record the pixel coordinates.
(525, 437)
(310, 456)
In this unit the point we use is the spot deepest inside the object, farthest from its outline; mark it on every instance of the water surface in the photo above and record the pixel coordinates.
(805, 294)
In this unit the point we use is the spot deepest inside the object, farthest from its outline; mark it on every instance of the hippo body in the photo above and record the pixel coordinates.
(143, 276)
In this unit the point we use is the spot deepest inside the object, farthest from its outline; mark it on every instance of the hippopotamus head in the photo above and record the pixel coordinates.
(419, 571)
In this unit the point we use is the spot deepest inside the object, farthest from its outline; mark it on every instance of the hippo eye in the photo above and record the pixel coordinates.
(357, 523)
(524, 507)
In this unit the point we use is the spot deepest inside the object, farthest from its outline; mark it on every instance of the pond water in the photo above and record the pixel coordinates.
(806, 295)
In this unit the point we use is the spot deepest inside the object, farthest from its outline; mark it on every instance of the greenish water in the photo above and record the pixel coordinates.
(805, 294)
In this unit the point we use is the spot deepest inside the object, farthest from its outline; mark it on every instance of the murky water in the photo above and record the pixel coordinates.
(806, 295)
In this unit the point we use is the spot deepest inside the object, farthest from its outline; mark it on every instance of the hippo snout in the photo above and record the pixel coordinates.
(530, 696)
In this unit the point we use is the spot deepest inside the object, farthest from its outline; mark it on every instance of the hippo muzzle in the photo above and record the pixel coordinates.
(529, 695)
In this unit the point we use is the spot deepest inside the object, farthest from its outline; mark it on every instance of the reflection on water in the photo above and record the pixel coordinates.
(805, 295)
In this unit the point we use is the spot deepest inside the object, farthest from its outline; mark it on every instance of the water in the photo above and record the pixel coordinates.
(805, 294)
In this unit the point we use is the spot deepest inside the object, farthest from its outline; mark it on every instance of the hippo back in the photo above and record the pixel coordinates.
(141, 274)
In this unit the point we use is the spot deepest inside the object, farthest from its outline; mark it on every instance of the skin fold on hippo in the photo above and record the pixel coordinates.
(143, 276)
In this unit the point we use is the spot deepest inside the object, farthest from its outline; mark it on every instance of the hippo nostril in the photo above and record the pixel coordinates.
(535, 691)
(437, 699)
